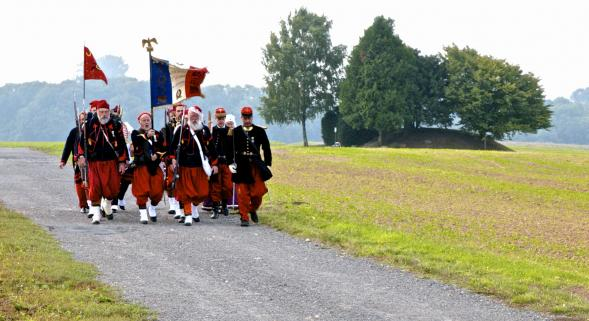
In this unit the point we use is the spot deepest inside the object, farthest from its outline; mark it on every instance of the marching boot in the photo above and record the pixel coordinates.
(103, 206)
(114, 208)
(91, 212)
(108, 211)
(244, 222)
(143, 216)
(254, 216)
(84, 210)
(122, 204)
(173, 205)
(152, 213)
(224, 208)
(215, 213)
(95, 212)
(195, 215)
(179, 214)
(188, 220)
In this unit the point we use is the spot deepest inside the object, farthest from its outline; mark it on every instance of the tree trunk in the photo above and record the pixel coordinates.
(304, 122)
(380, 137)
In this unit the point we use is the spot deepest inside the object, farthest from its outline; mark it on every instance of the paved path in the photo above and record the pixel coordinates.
(216, 270)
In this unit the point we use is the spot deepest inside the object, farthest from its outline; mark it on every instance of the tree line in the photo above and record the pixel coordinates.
(387, 86)
(570, 121)
(39, 111)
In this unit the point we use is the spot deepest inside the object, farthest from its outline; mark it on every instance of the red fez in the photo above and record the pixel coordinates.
(197, 108)
(99, 104)
(246, 111)
(143, 113)
(171, 109)
(220, 112)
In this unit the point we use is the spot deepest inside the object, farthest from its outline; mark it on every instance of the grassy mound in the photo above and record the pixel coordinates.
(437, 138)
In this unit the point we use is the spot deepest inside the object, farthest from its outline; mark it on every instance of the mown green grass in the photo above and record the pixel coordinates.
(40, 281)
(514, 225)
(52, 148)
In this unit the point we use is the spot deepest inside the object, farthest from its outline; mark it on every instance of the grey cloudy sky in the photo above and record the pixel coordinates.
(42, 40)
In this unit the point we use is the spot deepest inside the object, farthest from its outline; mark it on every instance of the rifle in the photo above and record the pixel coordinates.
(84, 169)
(176, 169)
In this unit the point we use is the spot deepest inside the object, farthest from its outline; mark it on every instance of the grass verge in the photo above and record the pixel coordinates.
(51, 148)
(40, 281)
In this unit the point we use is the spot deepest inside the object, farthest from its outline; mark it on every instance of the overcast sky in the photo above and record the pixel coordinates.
(43, 40)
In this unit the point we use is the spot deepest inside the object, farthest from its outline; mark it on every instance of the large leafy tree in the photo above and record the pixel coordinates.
(427, 105)
(304, 70)
(492, 96)
(376, 93)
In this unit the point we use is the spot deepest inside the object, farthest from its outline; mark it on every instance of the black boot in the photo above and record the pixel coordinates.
(216, 209)
(224, 208)
(244, 223)
(254, 216)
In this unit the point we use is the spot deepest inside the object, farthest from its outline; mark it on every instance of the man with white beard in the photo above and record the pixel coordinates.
(192, 186)
(107, 158)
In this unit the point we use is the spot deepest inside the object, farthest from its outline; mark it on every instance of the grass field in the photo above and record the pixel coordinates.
(40, 281)
(52, 148)
(514, 225)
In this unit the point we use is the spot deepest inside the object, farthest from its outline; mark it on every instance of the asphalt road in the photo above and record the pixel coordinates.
(217, 270)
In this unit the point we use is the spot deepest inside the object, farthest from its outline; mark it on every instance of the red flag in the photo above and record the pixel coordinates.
(91, 68)
(194, 78)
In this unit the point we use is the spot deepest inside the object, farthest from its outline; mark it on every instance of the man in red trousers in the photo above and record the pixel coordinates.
(221, 186)
(107, 158)
(192, 187)
(148, 175)
(251, 170)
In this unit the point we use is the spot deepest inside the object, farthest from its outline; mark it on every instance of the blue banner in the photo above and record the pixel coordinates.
(160, 83)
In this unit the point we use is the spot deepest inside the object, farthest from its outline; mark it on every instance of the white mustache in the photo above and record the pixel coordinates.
(195, 126)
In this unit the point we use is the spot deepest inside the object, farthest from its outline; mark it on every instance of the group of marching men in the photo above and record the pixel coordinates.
(186, 159)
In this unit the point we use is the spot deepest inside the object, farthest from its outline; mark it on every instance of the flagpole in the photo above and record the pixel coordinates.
(149, 49)
(150, 104)
(84, 79)
(84, 93)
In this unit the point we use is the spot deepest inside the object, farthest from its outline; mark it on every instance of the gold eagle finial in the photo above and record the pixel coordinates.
(148, 41)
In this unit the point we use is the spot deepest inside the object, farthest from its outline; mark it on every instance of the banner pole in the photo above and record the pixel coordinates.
(149, 49)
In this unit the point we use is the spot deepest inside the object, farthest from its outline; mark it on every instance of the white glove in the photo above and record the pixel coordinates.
(233, 168)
